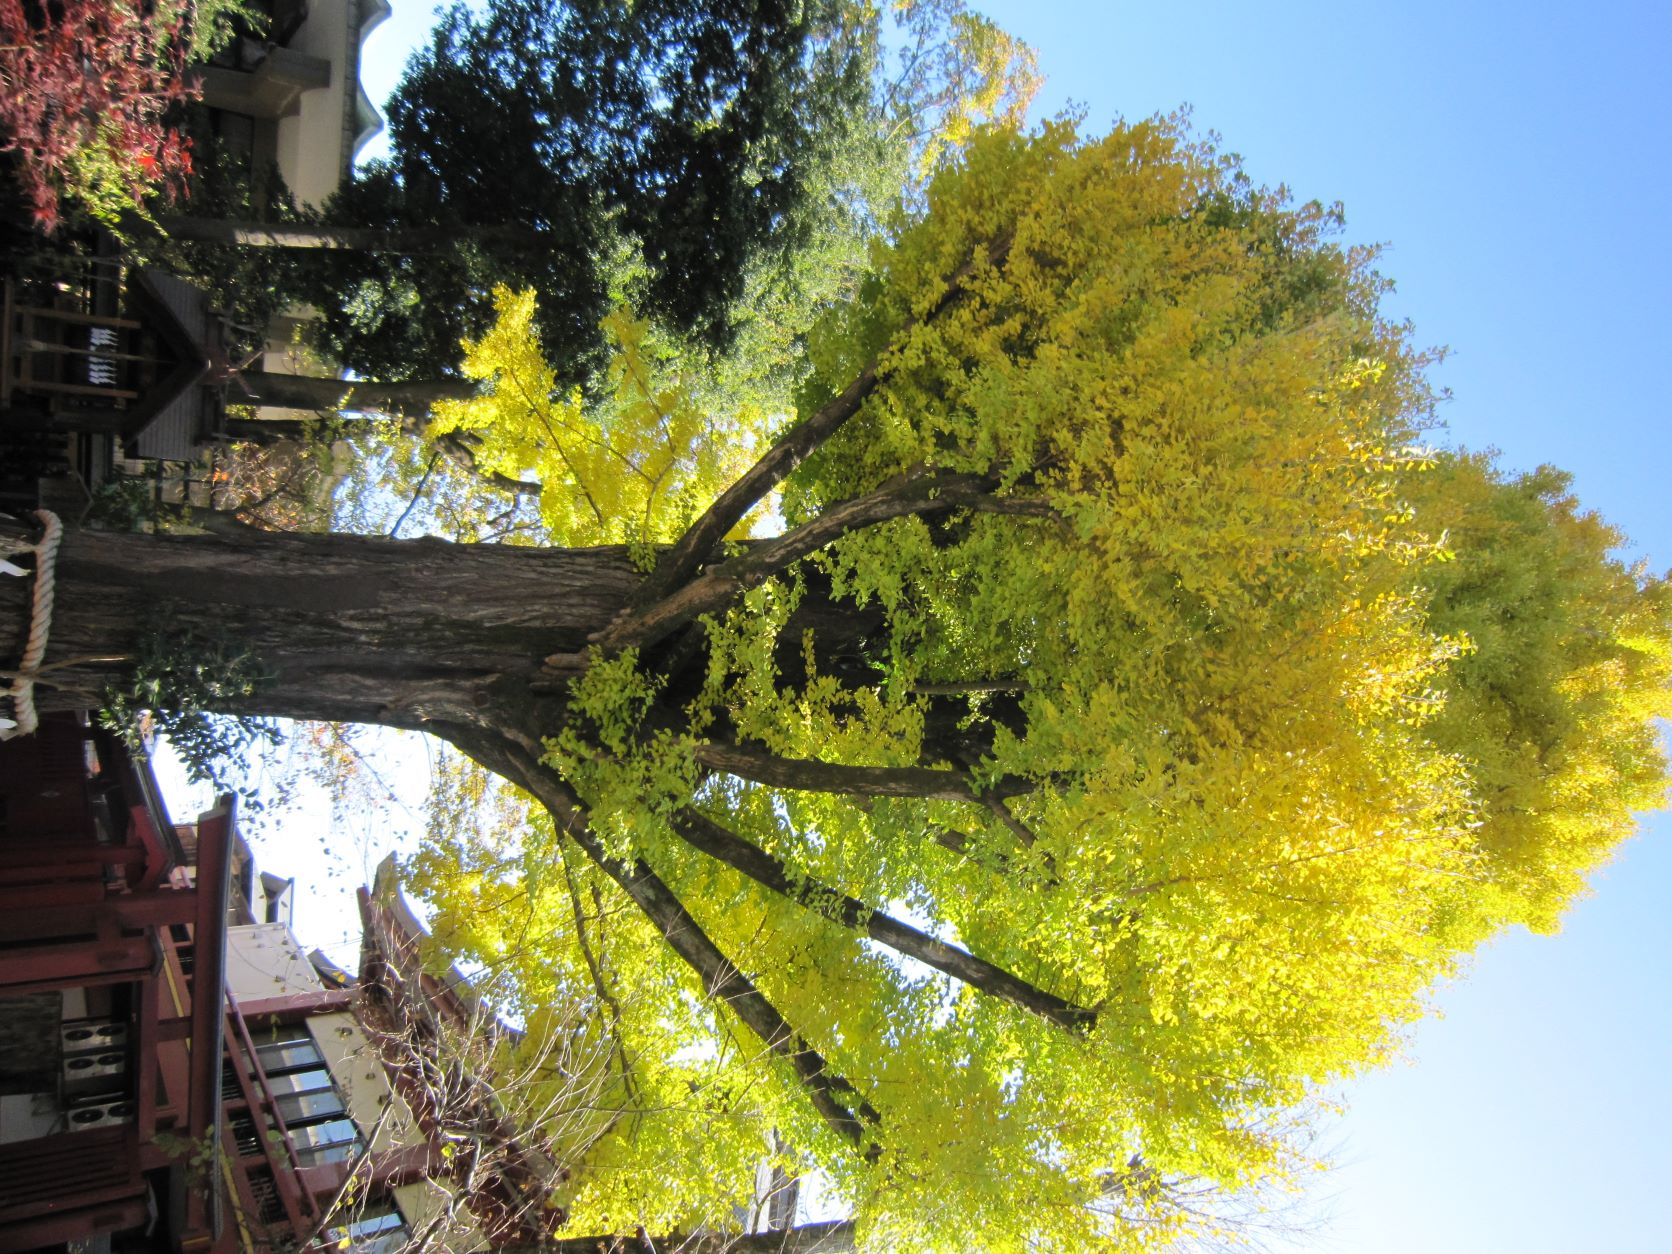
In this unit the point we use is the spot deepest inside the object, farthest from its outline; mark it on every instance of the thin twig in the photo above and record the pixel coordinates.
(417, 494)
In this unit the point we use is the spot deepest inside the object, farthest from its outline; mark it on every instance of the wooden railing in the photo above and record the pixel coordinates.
(277, 1152)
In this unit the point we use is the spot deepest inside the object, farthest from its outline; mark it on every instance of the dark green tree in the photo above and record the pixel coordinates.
(720, 167)
(589, 150)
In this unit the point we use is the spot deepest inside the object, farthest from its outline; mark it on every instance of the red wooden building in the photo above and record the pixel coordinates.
(112, 955)
(176, 1075)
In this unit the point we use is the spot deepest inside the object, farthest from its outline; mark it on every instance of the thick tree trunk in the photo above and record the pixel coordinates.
(410, 241)
(457, 640)
(295, 391)
(458, 446)
(352, 628)
(833, 1236)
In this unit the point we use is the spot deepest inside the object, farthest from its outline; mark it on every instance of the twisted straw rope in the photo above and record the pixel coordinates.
(22, 688)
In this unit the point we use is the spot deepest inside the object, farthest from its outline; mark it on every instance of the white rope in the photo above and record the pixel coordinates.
(22, 689)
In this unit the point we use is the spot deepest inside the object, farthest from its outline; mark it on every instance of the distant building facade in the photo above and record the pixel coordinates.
(178, 1076)
(111, 1006)
(290, 96)
(104, 365)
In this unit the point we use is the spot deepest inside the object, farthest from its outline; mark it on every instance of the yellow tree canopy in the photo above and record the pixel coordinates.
(1132, 721)
(632, 467)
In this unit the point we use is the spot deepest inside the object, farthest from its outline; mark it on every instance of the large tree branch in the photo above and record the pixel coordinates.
(808, 775)
(715, 588)
(844, 1110)
(834, 1236)
(789, 451)
(313, 392)
(703, 833)
(407, 240)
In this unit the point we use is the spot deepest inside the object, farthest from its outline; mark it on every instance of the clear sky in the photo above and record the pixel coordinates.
(1515, 159)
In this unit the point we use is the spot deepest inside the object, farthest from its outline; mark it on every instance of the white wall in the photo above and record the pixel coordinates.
(263, 960)
(310, 144)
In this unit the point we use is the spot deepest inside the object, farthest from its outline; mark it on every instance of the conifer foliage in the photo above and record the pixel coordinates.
(550, 140)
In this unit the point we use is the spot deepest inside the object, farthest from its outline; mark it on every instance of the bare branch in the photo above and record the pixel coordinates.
(715, 588)
(417, 494)
(703, 833)
(599, 983)
(807, 775)
(460, 448)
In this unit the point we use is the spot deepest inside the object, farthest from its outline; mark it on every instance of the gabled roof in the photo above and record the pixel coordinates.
(174, 415)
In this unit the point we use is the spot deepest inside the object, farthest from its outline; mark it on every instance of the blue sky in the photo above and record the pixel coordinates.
(1514, 159)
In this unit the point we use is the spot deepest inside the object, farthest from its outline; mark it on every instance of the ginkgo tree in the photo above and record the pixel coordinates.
(1128, 721)
(631, 467)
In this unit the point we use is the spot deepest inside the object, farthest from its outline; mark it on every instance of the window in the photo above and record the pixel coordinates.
(292, 1054)
(307, 1099)
(375, 1230)
(306, 1096)
(332, 1141)
(299, 1081)
(304, 1108)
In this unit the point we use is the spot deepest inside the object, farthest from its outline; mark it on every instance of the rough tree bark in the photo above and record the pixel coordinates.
(295, 391)
(353, 629)
(410, 241)
(458, 640)
(477, 643)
